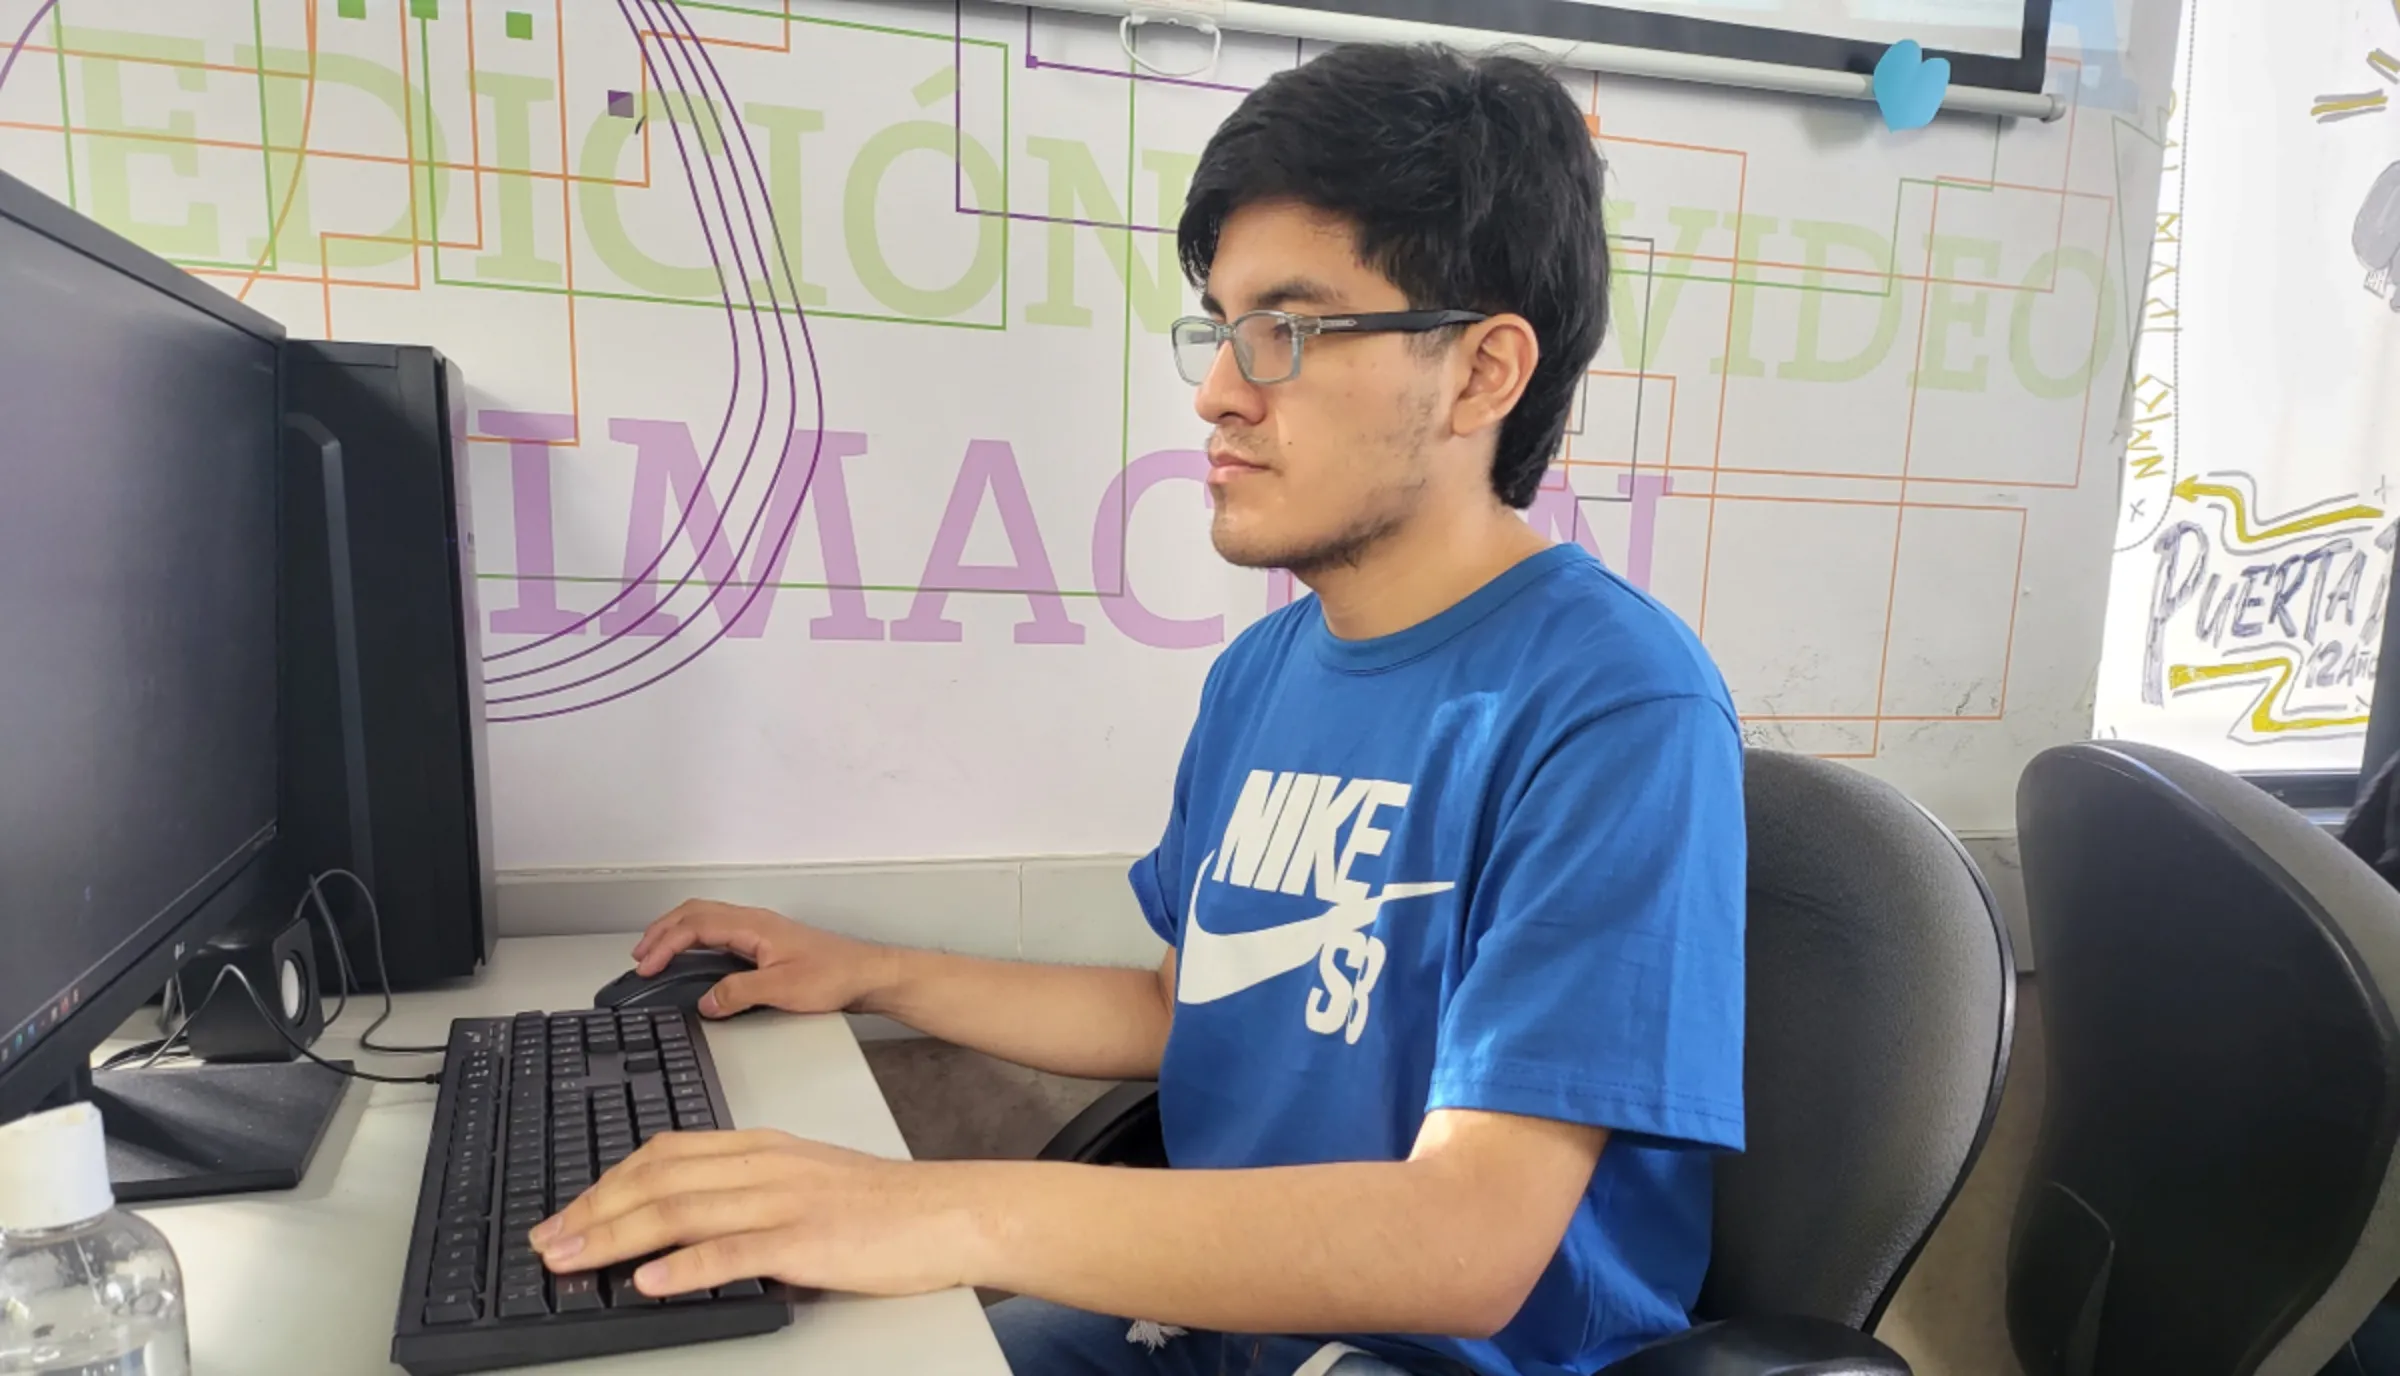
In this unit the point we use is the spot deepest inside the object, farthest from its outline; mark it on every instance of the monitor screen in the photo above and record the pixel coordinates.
(138, 571)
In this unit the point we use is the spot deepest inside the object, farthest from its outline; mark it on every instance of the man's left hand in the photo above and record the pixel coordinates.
(729, 1206)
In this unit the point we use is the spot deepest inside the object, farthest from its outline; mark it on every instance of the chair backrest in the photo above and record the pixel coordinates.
(2213, 1188)
(1882, 997)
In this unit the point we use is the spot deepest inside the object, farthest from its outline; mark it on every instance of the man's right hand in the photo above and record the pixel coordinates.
(800, 969)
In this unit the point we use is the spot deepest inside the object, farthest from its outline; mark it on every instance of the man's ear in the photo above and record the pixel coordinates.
(1500, 354)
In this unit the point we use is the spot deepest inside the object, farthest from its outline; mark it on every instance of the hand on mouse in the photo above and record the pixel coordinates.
(800, 969)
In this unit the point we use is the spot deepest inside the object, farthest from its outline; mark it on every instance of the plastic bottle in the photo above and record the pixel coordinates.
(86, 1289)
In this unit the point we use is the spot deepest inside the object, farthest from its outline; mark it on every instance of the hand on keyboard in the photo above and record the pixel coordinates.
(532, 1110)
(800, 969)
(734, 1204)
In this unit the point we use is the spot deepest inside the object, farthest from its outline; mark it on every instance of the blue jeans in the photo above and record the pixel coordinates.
(1042, 1339)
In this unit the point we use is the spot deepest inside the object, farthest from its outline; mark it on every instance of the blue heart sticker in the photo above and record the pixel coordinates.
(1908, 87)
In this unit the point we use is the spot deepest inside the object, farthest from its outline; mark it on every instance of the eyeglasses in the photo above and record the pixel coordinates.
(1266, 344)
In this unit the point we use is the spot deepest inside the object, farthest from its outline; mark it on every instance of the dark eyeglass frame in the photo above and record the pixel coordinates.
(1196, 329)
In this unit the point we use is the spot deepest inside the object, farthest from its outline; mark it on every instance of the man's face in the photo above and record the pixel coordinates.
(1306, 474)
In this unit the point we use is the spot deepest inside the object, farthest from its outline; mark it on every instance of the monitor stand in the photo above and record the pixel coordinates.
(195, 1131)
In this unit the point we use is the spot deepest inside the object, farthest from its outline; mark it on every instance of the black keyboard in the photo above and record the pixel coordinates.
(532, 1110)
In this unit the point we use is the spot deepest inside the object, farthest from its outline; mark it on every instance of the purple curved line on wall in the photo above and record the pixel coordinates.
(748, 221)
(40, 12)
(706, 539)
(817, 388)
(724, 424)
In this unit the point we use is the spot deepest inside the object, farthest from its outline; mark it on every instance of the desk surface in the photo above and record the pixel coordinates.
(308, 1281)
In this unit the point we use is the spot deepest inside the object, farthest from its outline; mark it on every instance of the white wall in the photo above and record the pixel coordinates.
(1859, 421)
(2255, 527)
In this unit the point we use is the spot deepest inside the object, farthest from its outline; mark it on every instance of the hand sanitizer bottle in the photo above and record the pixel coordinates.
(86, 1289)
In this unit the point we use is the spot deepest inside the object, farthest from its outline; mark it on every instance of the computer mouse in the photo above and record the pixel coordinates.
(680, 985)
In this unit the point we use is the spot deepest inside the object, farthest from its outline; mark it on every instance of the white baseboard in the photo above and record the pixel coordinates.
(1072, 909)
(1075, 910)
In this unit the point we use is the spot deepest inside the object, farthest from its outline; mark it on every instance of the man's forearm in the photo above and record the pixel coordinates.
(1095, 1023)
(1354, 1248)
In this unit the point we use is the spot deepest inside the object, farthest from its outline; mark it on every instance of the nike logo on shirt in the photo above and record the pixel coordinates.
(1218, 965)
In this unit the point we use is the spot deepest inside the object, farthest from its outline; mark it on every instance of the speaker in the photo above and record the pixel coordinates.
(225, 1023)
(385, 771)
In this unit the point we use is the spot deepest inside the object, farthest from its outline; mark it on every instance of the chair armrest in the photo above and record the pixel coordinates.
(1764, 1347)
(1121, 1128)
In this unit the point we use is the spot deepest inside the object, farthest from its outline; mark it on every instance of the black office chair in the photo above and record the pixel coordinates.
(1882, 999)
(2213, 1191)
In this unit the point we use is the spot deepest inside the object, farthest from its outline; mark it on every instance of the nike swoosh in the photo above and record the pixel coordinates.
(1218, 965)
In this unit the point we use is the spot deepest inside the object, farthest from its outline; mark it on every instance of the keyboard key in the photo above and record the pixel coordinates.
(469, 1236)
(740, 1290)
(635, 1065)
(575, 1294)
(446, 1257)
(521, 1277)
(450, 1278)
(523, 1304)
(451, 1308)
(689, 1297)
(621, 1291)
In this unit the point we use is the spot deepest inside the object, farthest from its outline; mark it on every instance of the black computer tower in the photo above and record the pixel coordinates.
(417, 827)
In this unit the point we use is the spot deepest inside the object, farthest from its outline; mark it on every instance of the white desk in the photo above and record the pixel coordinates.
(307, 1282)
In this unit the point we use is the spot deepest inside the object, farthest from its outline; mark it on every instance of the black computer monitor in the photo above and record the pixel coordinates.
(140, 447)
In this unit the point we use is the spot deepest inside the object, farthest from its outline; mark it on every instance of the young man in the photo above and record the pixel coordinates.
(1453, 874)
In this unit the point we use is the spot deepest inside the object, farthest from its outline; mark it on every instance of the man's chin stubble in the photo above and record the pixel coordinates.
(1303, 562)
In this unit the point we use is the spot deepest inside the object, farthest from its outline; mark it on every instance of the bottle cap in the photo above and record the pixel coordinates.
(54, 1170)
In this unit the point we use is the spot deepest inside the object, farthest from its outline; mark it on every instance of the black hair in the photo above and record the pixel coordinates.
(1472, 184)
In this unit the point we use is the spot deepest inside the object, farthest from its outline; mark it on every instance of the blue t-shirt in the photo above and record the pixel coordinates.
(1495, 862)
